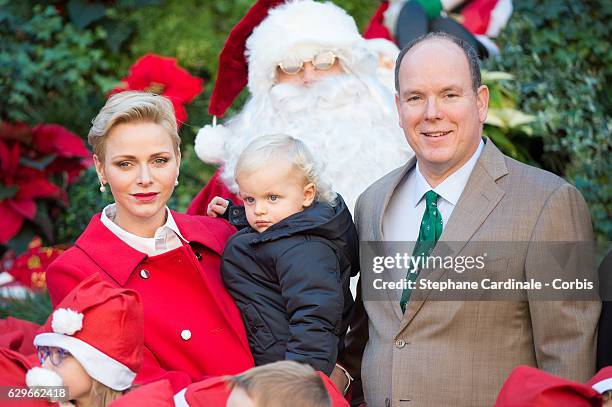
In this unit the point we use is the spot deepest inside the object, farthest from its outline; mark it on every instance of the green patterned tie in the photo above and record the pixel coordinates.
(429, 233)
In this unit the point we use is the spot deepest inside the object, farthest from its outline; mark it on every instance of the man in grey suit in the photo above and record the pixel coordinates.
(415, 351)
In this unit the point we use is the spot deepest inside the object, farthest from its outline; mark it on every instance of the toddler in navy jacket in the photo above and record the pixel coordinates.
(289, 269)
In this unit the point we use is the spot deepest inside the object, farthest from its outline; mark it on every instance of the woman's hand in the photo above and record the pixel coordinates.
(217, 207)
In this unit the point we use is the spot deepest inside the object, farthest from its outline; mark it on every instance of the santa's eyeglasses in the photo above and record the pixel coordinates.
(321, 62)
(55, 354)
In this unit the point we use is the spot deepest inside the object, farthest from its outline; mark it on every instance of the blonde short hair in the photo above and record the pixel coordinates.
(132, 107)
(263, 149)
(283, 383)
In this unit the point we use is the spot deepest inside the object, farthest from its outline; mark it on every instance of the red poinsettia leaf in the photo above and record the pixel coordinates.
(71, 167)
(25, 207)
(37, 188)
(162, 75)
(11, 222)
(56, 139)
(9, 159)
(184, 87)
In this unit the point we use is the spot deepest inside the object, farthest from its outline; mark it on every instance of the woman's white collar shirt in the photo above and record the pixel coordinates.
(167, 237)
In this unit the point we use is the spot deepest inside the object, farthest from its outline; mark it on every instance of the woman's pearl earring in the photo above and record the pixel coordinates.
(176, 182)
(102, 187)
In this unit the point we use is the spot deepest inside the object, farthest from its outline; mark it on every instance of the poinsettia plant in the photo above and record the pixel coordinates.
(36, 166)
(163, 76)
(29, 269)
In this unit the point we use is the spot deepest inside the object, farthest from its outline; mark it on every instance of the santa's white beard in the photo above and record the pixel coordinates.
(354, 133)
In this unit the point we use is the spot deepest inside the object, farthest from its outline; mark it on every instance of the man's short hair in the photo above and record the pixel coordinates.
(284, 383)
(469, 52)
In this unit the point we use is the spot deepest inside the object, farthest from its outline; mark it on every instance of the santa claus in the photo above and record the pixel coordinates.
(313, 76)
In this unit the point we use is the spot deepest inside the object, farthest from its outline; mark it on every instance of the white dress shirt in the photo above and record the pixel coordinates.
(402, 217)
(167, 237)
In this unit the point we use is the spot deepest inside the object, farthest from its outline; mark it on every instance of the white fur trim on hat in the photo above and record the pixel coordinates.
(180, 400)
(603, 386)
(66, 321)
(298, 29)
(210, 143)
(39, 376)
(98, 365)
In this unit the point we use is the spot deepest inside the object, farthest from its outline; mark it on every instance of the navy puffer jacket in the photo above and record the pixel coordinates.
(291, 283)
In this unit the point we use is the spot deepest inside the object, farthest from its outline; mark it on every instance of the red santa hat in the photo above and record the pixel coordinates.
(102, 327)
(530, 387)
(602, 381)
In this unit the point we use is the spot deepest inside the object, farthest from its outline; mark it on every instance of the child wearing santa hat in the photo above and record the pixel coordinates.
(92, 343)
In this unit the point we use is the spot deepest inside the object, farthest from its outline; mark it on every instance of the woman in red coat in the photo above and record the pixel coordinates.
(193, 329)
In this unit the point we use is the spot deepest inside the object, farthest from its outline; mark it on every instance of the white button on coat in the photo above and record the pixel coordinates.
(186, 334)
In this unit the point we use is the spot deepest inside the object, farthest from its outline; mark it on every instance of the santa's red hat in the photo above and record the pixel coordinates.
(102, 327)
(530, 387)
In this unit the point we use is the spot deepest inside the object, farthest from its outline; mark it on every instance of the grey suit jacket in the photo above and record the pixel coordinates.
(459, 353)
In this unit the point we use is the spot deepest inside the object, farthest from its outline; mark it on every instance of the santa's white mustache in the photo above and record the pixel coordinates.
(325, 93)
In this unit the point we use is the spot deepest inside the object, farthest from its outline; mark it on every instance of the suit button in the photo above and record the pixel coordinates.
(400, 343)
(144, 274)
(186, 334)
(198, 256)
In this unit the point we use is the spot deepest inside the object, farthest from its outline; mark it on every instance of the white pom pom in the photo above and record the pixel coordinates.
(39, 376)
(66, 321)
(210, 143)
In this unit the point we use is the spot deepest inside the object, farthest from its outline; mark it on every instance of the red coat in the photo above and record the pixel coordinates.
(193, 329)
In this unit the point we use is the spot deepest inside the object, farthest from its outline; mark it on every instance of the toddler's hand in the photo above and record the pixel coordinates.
(217, 207)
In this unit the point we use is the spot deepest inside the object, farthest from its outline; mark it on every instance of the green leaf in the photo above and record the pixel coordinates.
(7, 192)
(83, 13)
(43, 220)
(117, 33)
(19, 243)
(494, 76)
(38, 165)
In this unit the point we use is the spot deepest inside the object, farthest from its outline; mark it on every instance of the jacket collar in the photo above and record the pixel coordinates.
(118, 259)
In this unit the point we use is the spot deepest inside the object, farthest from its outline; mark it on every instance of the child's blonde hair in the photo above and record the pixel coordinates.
(133, 107)
(264, 149)
(283, 383)
(102, 395)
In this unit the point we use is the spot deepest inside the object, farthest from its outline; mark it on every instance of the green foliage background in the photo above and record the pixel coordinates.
(559, 52)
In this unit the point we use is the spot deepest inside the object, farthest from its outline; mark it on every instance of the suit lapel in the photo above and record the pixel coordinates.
(480, 196)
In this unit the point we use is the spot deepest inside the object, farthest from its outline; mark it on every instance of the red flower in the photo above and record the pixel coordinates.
(28, 157)
(72, 155)
(57, 140)
(30, 267)
(163, 76)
